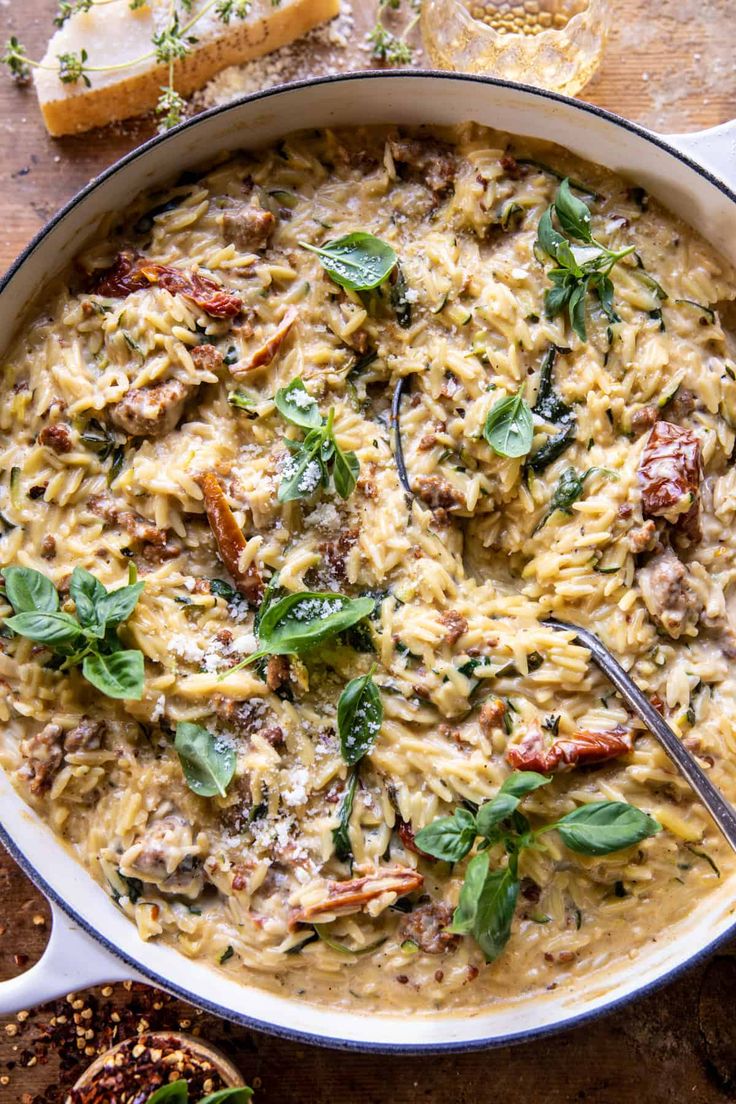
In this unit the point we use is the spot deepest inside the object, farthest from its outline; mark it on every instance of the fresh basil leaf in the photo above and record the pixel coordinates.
(237, 1095)
(302, 475)
(119, 675)
(87, 592)
(509, 429)
(299, 622)
(604, 290)
(521, 783)
(29, 591)
(45, 628)
(298, 407)
(573, 213)
(448, 838)
(358, 261)
(505, 803)
(341, 834)
(495, 911)
(492, 812)
(174, 1092)
(556, 299)
(463, 920)
(117, 605)
(345, 472)
(605, 826)
(576, 309)
(359, 718)
(208, 761)
(548, 239)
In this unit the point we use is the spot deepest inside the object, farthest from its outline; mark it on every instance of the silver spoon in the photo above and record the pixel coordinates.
(721, 811)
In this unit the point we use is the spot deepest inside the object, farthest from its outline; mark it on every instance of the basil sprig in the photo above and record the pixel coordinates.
(296, 623)
(359, 717)
(509, 429)
(579, 269)
(208, 761)
(488, 896)
(89, 638)
(318, 457)
(177, 1092)
(358, 261)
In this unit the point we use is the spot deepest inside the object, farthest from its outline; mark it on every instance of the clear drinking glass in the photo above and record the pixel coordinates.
(555, 44)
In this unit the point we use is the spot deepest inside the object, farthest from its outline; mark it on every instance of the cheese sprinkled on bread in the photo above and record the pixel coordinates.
(113, 34)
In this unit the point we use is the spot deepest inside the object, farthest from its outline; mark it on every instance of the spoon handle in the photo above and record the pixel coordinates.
(721, 811)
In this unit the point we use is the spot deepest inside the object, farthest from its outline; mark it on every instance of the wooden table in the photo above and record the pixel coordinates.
(669, 65)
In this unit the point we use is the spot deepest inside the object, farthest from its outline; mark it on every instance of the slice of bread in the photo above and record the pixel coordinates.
(112, 33)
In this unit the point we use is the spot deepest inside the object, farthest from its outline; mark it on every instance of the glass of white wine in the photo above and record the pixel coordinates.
(555, 44)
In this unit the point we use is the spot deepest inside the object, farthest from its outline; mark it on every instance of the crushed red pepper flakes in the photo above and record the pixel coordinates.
(141, 1066)
(68, 1034)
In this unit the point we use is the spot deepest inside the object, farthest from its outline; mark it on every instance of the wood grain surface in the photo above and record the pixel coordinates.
(669, 65)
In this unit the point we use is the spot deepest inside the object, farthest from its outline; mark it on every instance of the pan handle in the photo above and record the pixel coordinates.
(71, 961)
(715, 149)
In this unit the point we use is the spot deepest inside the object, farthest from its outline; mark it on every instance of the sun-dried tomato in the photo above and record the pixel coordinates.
(405, 833)
(229, 537)
(669, 475)
(131, 272)
(581, 749)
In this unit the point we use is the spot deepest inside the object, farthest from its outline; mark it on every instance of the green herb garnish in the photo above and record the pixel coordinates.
(89, 638)
(580, 268)
(296, 623)
(489, 895)
(177, 1092)
(208, 761)
(357, 261)
(318, 458)
(359, 717)
(509, 429)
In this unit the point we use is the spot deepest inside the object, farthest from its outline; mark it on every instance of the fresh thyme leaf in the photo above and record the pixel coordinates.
(73, 67)
(15, 57)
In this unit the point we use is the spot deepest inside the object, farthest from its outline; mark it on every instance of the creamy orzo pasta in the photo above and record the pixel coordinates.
(203, 406)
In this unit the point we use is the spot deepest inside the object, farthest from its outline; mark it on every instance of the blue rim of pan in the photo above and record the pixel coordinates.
(292, 1034)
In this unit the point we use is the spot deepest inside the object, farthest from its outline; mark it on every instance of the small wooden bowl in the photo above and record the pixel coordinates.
(169, 1043)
